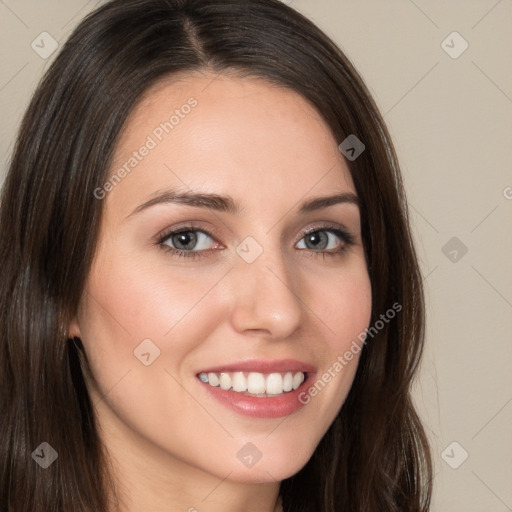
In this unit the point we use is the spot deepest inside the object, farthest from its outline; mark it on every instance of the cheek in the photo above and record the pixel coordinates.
(343, 303)
(354, 308)
(344, 311)
(128, 303)
(131, 300)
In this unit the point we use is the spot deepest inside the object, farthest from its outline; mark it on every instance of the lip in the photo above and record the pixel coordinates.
(266, 406)
(263, 366)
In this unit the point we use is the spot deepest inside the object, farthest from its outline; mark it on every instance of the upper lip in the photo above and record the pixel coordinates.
(263, 366)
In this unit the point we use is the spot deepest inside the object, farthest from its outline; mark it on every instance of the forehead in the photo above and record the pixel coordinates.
(223, 133)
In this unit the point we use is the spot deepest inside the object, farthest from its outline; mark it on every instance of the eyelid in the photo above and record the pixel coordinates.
(326, 226)
(185, 226)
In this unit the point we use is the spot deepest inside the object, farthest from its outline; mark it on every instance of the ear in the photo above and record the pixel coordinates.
(74, 329)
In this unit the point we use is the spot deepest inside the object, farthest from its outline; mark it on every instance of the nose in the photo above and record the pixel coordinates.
(264, 298)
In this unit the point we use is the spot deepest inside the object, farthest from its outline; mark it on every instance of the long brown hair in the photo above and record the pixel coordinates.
(375, 456)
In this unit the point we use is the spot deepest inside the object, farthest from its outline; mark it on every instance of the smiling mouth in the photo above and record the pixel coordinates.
(255, 383)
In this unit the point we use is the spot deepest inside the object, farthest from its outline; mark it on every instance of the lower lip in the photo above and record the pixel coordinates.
(260, 407)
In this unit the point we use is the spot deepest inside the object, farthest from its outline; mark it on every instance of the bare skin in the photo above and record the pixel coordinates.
(173, 447)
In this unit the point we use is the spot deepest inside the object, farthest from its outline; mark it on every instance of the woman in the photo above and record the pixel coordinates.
(210, 295)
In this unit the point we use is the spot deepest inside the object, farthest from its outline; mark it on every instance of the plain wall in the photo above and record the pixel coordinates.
(451, 121)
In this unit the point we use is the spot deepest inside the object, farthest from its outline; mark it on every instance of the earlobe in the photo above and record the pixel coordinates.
(73, 330)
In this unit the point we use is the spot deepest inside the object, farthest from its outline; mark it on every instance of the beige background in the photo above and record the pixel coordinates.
(451, 120)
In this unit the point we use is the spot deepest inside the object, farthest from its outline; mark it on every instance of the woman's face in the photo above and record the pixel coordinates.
(261, 285)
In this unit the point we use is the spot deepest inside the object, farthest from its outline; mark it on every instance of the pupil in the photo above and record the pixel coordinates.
(186, 239)
(317, 239)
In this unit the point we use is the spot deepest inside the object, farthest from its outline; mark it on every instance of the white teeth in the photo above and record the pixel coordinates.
(225, 381)
(239, 382)
(298, 379)
(288, 382)
(213, 379)
(254, 382)
(274, 384)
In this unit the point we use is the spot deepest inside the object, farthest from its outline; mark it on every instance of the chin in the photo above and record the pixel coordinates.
(278, 465)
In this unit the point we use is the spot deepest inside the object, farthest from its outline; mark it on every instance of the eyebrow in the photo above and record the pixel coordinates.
(225, 203)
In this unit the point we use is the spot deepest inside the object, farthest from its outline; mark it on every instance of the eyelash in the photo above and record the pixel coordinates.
(345, 236)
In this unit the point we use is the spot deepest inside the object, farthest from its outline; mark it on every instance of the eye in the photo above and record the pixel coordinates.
(329, 241)
(187, 240)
